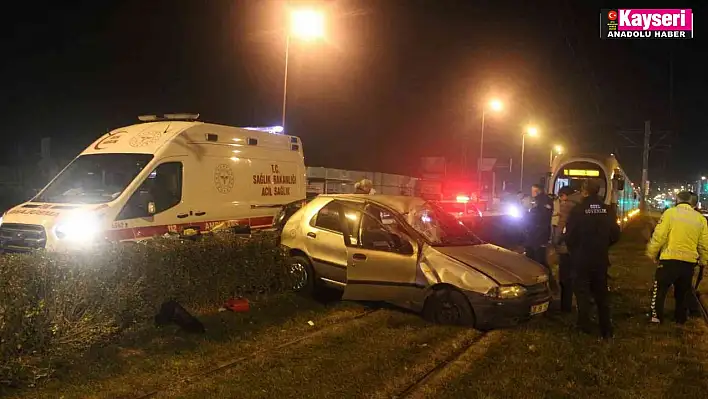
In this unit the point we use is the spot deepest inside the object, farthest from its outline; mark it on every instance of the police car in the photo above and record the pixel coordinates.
(463, 210)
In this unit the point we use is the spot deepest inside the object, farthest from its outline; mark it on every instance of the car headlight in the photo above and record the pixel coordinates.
(0, 220)
(81, 226)
(507, 291)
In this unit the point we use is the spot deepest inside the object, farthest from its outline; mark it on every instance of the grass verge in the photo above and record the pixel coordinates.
(379, 355)
(548, 358)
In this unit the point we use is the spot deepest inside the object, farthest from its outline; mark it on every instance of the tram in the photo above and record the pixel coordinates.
(616, 189)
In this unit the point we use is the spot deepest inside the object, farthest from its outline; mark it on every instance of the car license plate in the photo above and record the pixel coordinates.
(540, 308)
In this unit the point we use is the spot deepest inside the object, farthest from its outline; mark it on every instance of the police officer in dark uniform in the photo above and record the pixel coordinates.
(590, 231)
(538, 227)
(538, 230)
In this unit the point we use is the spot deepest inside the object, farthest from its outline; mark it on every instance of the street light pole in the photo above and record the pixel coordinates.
(523, 146)
(481, 155)
(285, 79)
(305, 25)
(531, 131)
(558, 150)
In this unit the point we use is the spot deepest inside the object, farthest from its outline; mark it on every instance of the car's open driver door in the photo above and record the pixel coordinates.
(381, 266)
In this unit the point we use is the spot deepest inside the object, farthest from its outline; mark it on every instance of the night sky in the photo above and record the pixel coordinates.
(394, 80)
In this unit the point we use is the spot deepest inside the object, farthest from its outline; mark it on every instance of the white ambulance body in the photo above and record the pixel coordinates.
(162, 176)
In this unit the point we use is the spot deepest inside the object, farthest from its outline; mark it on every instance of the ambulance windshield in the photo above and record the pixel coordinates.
(94, 179)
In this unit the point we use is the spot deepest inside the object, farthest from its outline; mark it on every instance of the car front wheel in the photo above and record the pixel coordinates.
(449, 306)
(302, 275)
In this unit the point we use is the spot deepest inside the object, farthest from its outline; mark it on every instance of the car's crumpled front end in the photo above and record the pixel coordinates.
(503, 287)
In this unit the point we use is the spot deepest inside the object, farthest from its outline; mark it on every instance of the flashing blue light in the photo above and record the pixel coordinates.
(513, 211)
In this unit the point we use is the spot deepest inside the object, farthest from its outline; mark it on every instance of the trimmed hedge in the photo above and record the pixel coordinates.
(55, 304)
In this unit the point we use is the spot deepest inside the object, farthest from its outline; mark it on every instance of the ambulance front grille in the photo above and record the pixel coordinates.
(16, 237)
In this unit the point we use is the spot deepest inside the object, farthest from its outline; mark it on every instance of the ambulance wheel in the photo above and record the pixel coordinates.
(449, 306)
(302, 274)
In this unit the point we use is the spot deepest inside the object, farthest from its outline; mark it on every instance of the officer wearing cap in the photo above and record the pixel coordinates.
(679, 241)
(590, 231)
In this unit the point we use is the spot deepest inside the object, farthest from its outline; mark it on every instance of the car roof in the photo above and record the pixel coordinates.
(399, 203)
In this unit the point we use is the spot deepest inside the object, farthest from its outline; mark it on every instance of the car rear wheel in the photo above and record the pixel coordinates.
(302, 275)
(449, 306)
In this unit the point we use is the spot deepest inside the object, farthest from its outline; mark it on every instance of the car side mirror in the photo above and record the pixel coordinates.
(151, 208)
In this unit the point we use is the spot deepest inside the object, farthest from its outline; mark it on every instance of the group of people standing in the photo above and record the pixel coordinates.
(582, 228)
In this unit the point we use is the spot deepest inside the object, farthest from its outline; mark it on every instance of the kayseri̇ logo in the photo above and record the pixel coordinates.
(625, 23)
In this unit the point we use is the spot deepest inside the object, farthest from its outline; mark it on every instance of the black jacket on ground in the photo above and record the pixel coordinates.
(538, 221)
(591, 231)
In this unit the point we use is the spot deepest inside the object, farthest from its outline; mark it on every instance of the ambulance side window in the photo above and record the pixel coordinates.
(163, 187)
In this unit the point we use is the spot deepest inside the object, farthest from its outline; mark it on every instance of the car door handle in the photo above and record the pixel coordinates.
(200, 214)
(183, 215)
(312, 235)
(359, 257)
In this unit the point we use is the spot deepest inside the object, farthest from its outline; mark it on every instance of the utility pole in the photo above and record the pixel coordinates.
(645, 164)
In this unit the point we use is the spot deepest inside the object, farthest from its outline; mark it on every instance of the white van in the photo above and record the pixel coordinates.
(164, 175)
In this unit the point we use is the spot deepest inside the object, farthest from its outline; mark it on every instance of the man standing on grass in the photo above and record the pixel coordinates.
(561, 210)
(590, 231)
(679, 241)
(538, 228)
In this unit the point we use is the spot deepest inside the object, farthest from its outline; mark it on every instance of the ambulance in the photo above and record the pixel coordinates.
(165, 175)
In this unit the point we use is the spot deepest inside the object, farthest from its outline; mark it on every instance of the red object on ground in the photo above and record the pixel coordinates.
(238, 305)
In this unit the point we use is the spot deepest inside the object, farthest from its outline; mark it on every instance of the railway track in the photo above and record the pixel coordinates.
(409, 390)
(239, 360)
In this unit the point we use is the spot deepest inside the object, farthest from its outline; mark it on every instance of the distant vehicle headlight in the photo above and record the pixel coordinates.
(80, 226)
(507, 291)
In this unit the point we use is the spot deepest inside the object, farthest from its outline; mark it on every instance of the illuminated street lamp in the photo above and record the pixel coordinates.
(305, 25)
(533, 132)
(495, 106)
(557, 149)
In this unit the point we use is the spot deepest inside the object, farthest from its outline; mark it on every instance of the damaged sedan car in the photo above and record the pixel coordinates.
(411, 253)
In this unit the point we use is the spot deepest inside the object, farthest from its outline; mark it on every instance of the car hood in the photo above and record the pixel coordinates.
(504, 266)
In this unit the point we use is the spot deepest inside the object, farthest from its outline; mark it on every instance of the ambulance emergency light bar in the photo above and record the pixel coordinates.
(168, 117)
(581, 172)
(267, 129)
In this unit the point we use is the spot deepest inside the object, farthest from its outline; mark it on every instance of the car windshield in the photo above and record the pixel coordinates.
(94, 179)
(441, 228)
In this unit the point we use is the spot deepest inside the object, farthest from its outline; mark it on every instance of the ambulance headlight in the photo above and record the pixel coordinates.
(80, 226)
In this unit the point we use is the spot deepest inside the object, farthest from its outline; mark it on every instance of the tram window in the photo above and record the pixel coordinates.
(560, 183)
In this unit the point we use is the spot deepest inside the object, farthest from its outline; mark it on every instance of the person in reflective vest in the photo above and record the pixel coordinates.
(679, 241)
